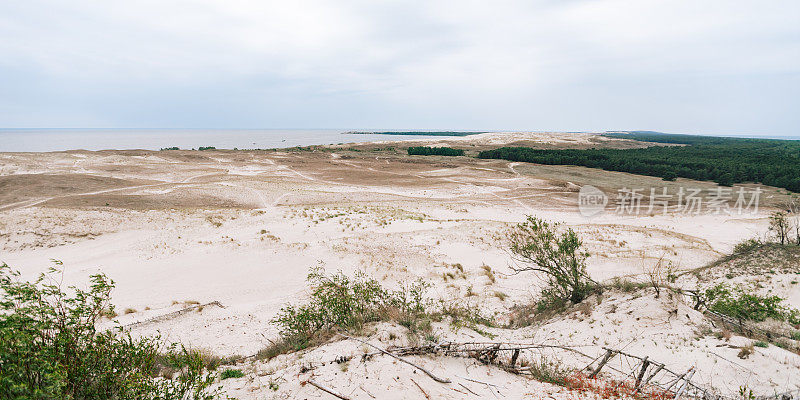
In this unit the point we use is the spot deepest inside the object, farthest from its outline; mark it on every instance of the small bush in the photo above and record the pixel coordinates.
(747, 246)
(745, 352)
(434, 151)
(231, 373)
(557, 256)
(761, 344)
(341, 303)
(736, 303)
(50, 348)
(545, 370)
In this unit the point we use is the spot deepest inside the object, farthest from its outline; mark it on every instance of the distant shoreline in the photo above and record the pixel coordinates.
(415, 133)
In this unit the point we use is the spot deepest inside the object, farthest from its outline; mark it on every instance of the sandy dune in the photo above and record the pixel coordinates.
(243, 228)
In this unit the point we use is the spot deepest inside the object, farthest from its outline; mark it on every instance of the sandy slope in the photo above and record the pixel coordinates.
(243, 229)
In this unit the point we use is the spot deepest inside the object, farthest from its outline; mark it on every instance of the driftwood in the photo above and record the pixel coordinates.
(173, 314)
(434, 377)
(326, 390)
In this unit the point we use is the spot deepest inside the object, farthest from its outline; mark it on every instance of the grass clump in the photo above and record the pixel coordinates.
(746, 246)
(737, 303)
(341, 303)
(231, 373)
(51, 349)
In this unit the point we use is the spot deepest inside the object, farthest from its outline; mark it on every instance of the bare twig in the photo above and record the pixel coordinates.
(434, 377)
(326, 390)
(420, 389)
(467, 389)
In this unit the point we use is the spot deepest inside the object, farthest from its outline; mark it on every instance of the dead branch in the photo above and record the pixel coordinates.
(434, 377)
(326, 390)
(420, 389)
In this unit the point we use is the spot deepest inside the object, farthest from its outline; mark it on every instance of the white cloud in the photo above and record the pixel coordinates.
(472, 56)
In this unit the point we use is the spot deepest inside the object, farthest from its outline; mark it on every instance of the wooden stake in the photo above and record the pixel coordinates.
(645, 364)
(602, 363)
(514, 357)
(652, 374)
(685, 383)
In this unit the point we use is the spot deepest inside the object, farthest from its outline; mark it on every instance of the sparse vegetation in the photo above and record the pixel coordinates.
(51, 349)
(231, 373)
(779, 225)
(747, 246)
(738, 303)
(340, 303)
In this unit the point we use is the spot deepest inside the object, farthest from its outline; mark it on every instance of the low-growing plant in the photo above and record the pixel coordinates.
(50, 347)
(339, 302)
(747, 246)
(738, 303)
(231, 373)
(761, 344)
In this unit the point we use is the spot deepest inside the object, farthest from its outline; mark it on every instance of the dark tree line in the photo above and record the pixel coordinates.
(434, 151)
(722, 160)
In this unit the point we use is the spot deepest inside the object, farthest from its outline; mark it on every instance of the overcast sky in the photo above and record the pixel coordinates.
(721, 67)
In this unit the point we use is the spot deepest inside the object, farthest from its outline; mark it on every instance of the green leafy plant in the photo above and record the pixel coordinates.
(339, 302)
(747, 246)
(540, 248)
(50, 347)
(737, 303)
(231, 373)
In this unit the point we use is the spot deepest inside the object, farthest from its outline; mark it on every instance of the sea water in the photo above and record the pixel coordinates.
(24, 140)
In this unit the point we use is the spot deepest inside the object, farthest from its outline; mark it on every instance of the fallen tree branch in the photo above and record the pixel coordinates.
(326, 390)
(434, 377)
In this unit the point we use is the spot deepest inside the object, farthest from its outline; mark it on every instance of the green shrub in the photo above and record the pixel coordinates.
(761, 344)
(51, 349)
(746, 246)
(557, 256)
(434, 151)
(231, 373)
(341, 303)
(737, 303)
